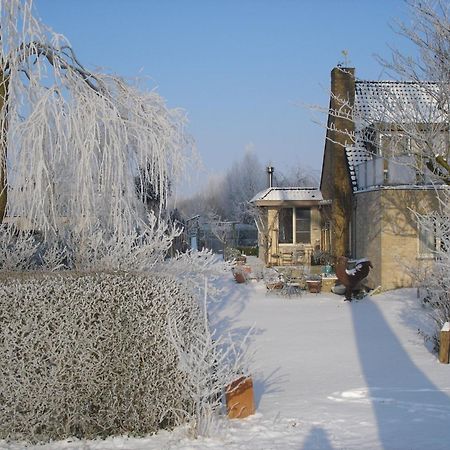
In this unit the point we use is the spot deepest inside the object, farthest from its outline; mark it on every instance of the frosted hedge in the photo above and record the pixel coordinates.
(90, 354)
(87, 162)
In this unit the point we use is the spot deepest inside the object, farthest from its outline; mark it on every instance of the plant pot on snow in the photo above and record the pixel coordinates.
(239, 276)
(239, 398)
(314, 286)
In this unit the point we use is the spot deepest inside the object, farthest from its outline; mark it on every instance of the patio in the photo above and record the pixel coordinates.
(285, 279)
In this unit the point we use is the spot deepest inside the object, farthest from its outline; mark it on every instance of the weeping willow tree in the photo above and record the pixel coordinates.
(74, 142)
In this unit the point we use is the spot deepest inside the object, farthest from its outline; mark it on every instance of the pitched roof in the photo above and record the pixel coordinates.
(396, 102)
(281, 194)
(390, 102)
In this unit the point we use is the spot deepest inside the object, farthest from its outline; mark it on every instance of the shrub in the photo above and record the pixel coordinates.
(249, 251)
(90, 354)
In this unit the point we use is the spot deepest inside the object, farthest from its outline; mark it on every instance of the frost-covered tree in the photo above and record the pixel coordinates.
(297, 176)
(430, 34)
(85, 156)
(227, 195)
(243, 180)
(415, 119)
(435, 282)
(408, 125)
(75, 143)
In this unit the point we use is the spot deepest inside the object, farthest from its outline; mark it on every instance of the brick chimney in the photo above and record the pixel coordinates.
(335, 181)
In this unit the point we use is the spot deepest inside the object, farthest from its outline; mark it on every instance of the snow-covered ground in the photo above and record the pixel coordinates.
(330, 375)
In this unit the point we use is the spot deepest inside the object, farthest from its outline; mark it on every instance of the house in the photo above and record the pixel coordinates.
(289, 224)
(369, 174)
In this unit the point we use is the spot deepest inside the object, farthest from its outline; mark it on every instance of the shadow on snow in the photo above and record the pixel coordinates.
(405, 401)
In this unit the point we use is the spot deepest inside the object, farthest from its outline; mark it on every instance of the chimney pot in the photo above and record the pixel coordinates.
(270, 171)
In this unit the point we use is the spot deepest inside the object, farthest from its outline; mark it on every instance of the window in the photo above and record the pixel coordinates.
(302, 225)
(432, 237)
(294, 222)
(427, 241)
(285, 220)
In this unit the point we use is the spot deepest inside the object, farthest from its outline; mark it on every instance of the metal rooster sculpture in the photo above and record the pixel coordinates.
(351, 278)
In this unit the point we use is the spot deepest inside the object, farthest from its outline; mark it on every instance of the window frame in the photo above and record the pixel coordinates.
(294, 225)
(280, 226)
(424, 251)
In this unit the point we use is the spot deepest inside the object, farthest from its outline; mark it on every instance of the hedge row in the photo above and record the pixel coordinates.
(89, 355)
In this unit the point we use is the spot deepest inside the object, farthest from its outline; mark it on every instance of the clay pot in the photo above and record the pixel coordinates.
(239, 277)
(240, 399)
(314, 286)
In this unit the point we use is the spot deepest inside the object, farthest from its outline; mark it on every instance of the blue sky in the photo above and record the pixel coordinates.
(240, 68)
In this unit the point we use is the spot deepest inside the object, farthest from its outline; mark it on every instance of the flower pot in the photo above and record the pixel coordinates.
(239, 277)
(239, 398)
(314, 286)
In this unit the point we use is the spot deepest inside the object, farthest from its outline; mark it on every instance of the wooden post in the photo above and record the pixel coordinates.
(444, 344)
(239, 398)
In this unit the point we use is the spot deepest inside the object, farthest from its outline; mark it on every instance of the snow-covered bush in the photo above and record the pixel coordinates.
(91, 355)
(106, 353)
(210, 361)
(135, 251)
(435, 285)
(87, 161)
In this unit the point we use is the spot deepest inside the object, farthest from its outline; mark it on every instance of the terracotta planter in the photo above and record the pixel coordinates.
(239, 398)
(239, 277)
(314, 286)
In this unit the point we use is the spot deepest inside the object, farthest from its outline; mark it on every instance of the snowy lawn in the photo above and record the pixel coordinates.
(330, 375)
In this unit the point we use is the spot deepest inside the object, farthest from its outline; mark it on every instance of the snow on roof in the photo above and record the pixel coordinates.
(390, 102)
(288, 194)
(396, 102)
